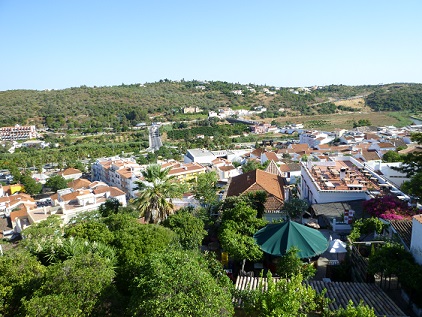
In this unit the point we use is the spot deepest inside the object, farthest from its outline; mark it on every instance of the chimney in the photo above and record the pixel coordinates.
(342, 173)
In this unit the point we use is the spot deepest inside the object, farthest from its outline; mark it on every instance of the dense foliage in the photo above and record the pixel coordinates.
(393, 260)
(116, 108)
(396, 97)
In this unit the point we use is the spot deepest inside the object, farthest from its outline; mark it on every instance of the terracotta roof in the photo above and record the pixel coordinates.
(418, 218)
(226, 168)
(74, 195)
(188, 168)
(299, 147)
(257, 152)
(404, 230)
(70, 171)
(79, 183)
(259, 180)
(114, 192)
(18, 214)
(284, 168)
(370, 155)
(294, 167)
(384, 145)
(324, 146)
(101, 190)
(70, 196)
(125, 172)
(373, 136)
(271, 156)
(97, 184)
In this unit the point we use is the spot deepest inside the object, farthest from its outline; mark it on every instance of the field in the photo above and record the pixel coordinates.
(345, 120)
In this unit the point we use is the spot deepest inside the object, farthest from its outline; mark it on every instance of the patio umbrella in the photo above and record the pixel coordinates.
(337, 246)
(277, 239)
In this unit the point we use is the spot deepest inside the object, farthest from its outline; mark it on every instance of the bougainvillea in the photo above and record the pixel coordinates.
(389, 208)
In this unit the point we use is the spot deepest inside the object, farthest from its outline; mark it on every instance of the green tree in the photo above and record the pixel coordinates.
(111, 206)
(21, 274)
(238, 225)
(72, 288)
(392, 156)
(189, 228)
(361, 310)
(178, 283)
(290, 265)
(279, 298)
(251, 166)
(56, 182)
(295, 207)
(31, 186)
(205, 188)
(154, 200)
(94, 231)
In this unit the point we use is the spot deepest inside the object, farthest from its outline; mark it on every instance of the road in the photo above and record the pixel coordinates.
(154, 138)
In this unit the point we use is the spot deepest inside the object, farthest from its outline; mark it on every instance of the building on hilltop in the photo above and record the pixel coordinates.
(18, 133)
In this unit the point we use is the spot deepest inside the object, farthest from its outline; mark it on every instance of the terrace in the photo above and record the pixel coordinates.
(343, 175)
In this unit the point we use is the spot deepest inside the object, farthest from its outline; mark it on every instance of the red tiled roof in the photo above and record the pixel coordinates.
(70, 171)
(384, 145)
(418, 218)
(79, 183)
(271, 156)
(18, 214)
(259, 180)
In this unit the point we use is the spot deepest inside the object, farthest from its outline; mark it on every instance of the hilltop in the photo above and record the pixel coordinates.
(119, 107)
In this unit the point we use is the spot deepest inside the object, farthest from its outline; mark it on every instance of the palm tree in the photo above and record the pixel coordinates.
(154, 201)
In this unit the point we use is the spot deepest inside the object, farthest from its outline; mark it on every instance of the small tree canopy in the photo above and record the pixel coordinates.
(176, 283)
(190, 229)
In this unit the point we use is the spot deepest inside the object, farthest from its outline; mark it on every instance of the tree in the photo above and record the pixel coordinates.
(31, 186)
(135, 243)
(413, 186)
(73, 288)
(251, 166)
(290, 265)
(111, 206)
(392, 156)
(154, 201)
(279, 298)
(205, 188)
(178, 283)
(295, 207)
(238, 225)
(56, 182)
(189, 229)
(412, 162)
(21, 274)
(94, 231)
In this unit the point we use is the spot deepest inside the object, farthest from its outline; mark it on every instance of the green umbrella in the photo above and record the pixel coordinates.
(278, 238)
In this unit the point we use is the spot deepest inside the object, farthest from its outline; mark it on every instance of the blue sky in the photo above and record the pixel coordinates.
(61, 44)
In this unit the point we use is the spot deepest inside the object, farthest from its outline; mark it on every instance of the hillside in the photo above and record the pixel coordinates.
(118, 107)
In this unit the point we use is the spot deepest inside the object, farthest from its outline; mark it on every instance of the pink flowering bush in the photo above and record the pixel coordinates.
(388, 207)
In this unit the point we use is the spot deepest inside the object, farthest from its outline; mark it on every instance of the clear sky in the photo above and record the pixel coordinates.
(60, 44)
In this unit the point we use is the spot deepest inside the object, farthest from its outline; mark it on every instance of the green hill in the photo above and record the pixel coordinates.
(118, 107)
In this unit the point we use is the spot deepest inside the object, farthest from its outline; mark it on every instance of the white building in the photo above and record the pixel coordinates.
(340, 179)
(416, 240)
(315, 138)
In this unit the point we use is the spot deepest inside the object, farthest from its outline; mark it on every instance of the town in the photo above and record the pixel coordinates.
(329, 178)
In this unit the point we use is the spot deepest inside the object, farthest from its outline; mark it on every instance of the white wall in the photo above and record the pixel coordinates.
(416, 241)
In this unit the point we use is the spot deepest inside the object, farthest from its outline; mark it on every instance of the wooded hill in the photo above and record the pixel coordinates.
(119, 107)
